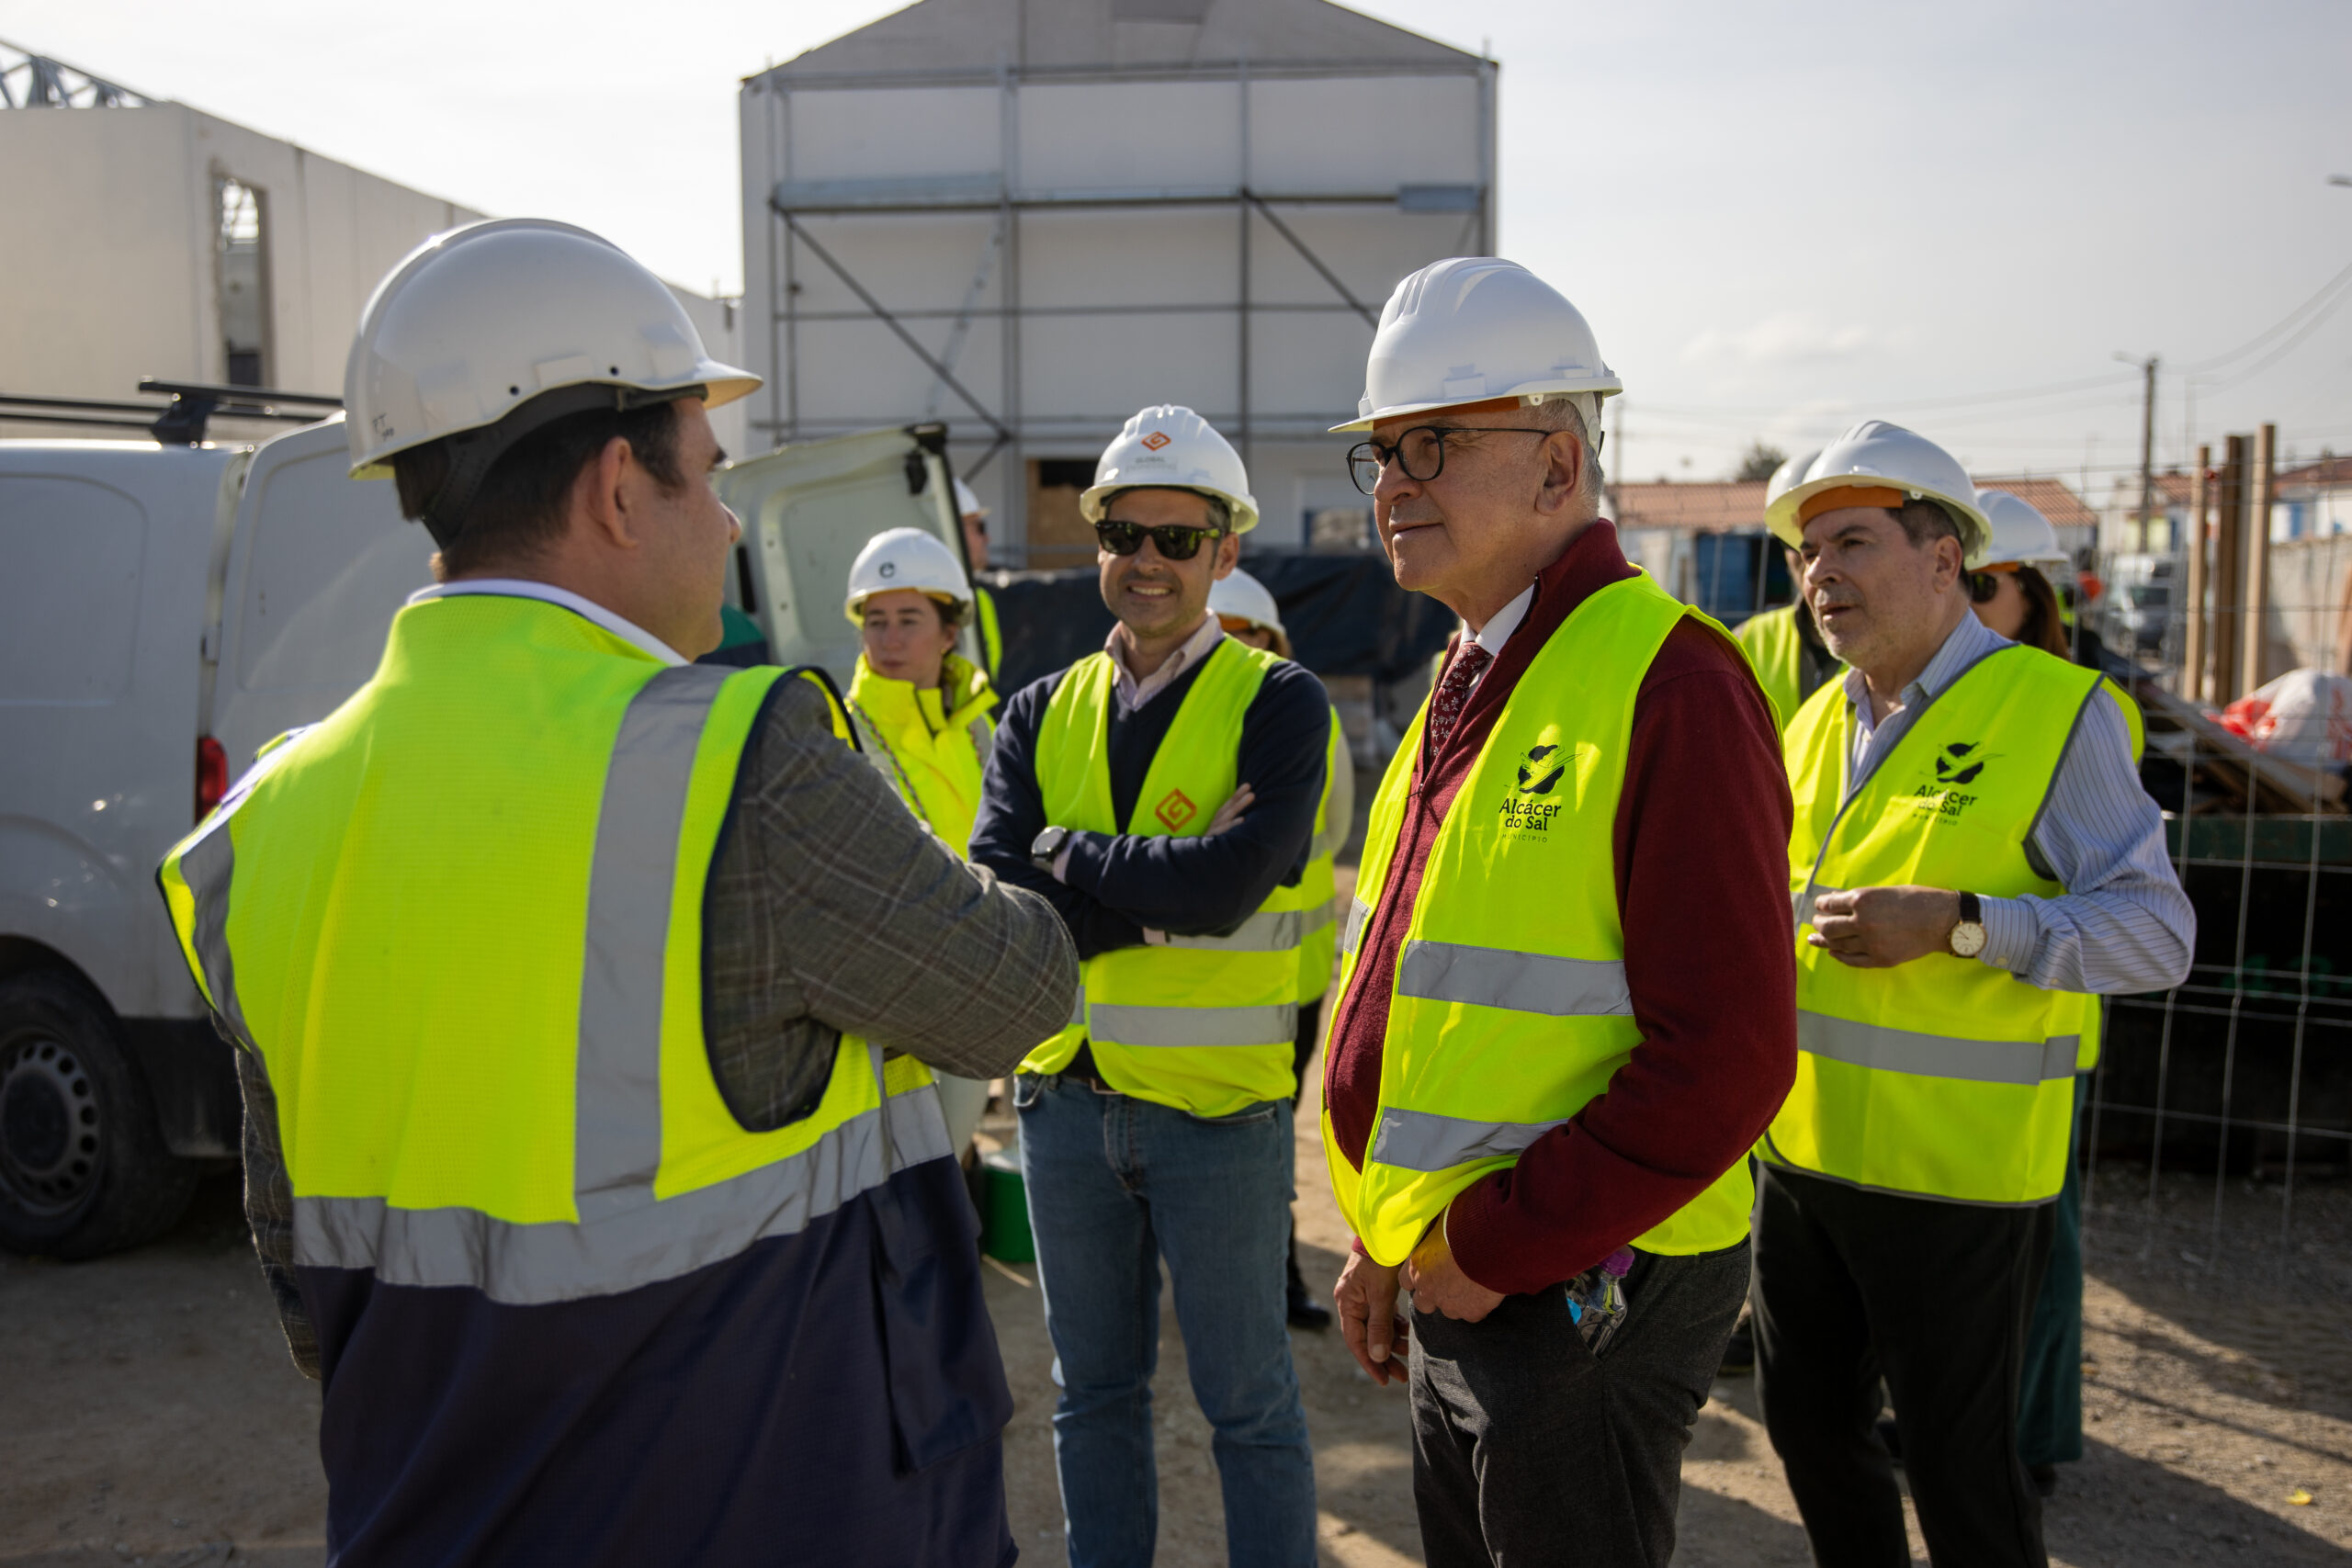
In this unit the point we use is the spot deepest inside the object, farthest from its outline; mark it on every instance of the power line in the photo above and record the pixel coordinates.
(2282, 324)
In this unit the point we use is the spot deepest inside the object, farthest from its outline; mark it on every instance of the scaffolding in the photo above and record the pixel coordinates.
(1033, 248)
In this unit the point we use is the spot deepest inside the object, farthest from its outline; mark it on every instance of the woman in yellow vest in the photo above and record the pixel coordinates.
(1971, 851)
(921, 711)
(1249, 614)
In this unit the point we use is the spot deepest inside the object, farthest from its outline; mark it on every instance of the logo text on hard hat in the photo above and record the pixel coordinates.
(1175, 809)
(889, 569)
(1155, 441)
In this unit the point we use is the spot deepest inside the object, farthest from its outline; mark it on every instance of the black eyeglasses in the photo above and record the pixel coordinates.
(1421, 450)
(1175, 544)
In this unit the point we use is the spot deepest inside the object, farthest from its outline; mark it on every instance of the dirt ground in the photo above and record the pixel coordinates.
(148, 1413)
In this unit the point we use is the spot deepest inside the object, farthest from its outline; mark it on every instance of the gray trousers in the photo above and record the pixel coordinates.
(1529, 1449)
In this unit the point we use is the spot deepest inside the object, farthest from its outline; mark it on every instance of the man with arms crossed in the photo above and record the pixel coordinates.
(1162, 793)
(1564, 1005)
(1972, 845)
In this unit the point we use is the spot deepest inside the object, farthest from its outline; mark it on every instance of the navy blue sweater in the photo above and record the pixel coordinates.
(1191, 886)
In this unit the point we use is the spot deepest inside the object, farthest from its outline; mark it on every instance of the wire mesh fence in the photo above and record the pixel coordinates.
(2241, 1076)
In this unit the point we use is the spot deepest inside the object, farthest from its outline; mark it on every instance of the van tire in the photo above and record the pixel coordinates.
(83, 1167)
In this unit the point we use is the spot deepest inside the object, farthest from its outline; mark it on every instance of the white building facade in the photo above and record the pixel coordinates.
(159, 241)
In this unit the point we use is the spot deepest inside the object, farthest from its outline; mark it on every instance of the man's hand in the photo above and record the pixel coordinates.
(1438, 1284)
(1228, 816)
(1366, 1299)
(1878, 928)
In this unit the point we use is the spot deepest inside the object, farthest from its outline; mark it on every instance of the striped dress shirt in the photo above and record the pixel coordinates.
(2123, 924)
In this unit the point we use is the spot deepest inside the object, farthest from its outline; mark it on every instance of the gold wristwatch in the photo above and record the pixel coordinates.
(1967, 936)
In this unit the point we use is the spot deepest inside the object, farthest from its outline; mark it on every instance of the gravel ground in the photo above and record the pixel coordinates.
(148, 1412)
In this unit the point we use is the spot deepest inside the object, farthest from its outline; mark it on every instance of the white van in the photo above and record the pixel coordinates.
(164, 611)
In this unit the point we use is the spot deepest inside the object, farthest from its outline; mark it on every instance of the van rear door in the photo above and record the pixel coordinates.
(318, 565)
(808, 509)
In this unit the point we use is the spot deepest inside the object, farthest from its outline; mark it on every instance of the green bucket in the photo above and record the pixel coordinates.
(1004, 1214)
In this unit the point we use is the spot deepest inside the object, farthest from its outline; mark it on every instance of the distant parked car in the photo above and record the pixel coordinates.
(2139, 603)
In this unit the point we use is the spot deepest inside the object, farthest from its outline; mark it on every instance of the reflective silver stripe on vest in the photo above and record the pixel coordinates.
(1268, 930)
(617, 1140)
(1900, 1051)
(1422, 1140)
(1077, 1004)
(207, 866)
(1525, 982)
(1321, 917)
(1358, 913)
(636, 1241)
(1276, 1025)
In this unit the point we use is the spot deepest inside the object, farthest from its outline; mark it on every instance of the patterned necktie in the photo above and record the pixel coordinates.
(1454, 690)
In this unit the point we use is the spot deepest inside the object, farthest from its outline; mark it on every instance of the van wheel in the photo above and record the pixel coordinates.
(83, 1166)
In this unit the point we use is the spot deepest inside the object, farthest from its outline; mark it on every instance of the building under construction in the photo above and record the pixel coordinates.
(1030, 218)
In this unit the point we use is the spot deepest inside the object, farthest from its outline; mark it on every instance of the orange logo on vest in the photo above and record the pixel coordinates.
(1175, 810)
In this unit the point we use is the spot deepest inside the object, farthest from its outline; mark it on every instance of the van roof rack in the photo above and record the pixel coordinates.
(182, 420)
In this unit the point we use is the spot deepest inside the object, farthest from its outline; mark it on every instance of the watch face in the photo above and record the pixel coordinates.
(1968, 938)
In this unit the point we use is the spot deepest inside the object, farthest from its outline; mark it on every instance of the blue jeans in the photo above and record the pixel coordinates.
(1115, 1184)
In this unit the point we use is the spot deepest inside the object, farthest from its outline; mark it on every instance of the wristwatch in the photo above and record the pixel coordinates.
(1048, 844)
(1968, 937)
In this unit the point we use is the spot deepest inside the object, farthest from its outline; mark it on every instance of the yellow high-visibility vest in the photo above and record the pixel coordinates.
(932, 746)
(1774, 644)
(1508, 1011)
(1206, 1024)
(1318, 886)
(991, 636)
(1943, 1077)
(460, 920)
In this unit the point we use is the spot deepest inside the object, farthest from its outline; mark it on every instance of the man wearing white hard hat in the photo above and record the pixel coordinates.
(974, 519)
(1248, 612)
(587, 999)
(2011, 591)
(1163, 795)
(1972, 848)
(1784, 645)
(921, 713)
(1564, 1003)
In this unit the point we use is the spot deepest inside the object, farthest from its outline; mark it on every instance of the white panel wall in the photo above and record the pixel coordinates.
(1372, 131)
(1098, 136)
(893, 133)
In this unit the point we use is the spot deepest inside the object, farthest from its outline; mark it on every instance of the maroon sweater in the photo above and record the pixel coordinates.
(1702, 865)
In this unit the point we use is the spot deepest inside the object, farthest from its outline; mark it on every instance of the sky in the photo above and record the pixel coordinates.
(1777, 218)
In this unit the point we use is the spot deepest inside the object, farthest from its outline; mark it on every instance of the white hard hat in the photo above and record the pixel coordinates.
(1788, 476)
(1875, 454)
(1167, 446)
(905, 557)
(1470, 328)
(1245, 598)
(476, 324)
(2020, 533)
(968, 501)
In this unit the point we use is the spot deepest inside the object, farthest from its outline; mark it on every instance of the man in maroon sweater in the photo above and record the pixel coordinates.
(1547, 1421)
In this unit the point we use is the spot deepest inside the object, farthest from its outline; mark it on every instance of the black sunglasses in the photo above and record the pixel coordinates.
(1420, 450)
(1175, 544)
(1984, 586)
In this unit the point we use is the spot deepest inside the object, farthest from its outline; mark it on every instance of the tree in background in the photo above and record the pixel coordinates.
(1758, 461)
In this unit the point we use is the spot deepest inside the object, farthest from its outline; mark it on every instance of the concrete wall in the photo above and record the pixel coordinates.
(1062, 318)
(2308, 602)
(113, 276)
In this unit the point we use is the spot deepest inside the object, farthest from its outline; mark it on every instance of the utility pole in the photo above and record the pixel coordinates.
(2147, 447)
